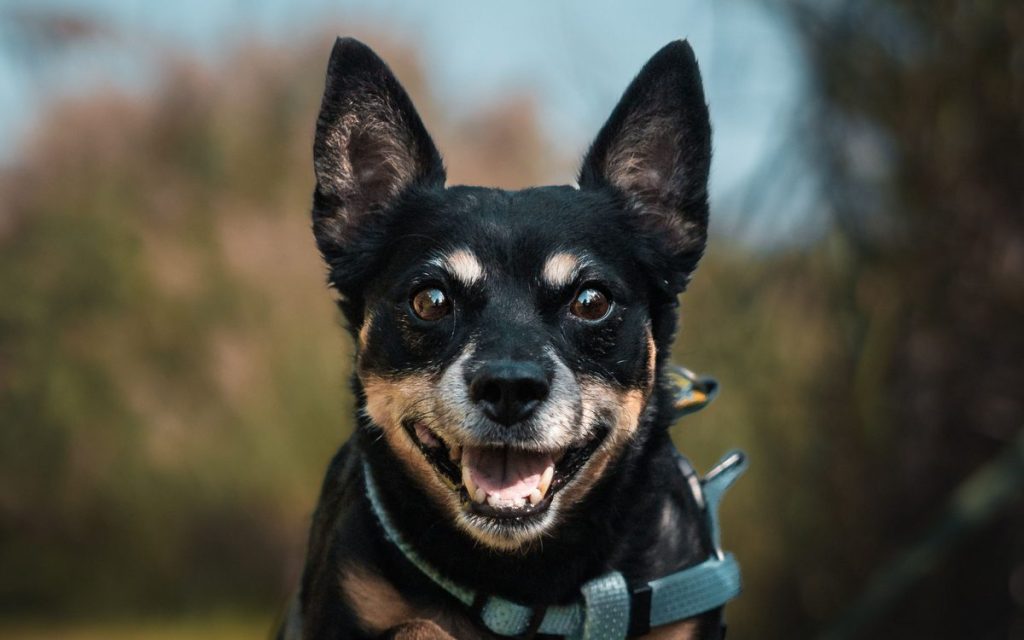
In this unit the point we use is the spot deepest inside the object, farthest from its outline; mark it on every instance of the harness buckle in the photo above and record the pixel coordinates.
(476, 610)
(640, 610)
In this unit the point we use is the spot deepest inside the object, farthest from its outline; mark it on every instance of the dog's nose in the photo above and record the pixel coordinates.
(509, 391)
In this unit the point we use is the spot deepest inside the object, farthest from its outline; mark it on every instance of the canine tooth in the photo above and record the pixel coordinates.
(536, 496)
(480, 496)
(467, 479)
(545, 480)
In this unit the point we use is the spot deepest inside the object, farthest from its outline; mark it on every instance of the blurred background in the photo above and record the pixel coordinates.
(173, 375)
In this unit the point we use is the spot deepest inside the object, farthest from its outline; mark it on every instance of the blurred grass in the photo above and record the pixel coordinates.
(219, 627)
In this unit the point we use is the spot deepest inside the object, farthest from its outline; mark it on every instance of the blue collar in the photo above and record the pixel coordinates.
(609, 607)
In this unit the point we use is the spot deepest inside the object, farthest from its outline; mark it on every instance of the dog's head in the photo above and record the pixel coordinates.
(508, 341)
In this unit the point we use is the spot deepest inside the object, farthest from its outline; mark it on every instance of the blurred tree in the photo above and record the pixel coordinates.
(919, 126)
(172, 379)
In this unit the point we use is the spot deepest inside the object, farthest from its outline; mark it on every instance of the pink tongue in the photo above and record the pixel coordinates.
(505, 473)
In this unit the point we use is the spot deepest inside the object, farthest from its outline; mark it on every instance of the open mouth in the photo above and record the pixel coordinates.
(503, 481)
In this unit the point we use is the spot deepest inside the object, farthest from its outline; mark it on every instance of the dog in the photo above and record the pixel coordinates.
(511, 472)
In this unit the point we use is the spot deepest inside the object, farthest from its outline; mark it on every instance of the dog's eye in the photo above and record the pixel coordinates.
(431, 304)
(590, 304)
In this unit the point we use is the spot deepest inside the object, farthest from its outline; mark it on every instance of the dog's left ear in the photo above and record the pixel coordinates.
(655, 150)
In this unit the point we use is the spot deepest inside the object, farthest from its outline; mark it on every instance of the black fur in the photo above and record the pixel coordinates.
(381, 212)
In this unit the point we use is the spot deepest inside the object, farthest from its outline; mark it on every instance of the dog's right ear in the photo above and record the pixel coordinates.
(370, 147)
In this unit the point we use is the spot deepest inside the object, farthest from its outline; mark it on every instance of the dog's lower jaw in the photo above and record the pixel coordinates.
(615, 513)
(644, 534)
(445, 503)
(508, 498)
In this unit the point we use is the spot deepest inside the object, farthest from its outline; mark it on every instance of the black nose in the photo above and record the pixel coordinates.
(509, 391)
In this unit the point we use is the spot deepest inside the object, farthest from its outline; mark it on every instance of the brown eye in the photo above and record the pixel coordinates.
(431, 304)
(590, 304)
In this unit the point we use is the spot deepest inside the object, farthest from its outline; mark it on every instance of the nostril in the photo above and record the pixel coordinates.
(508, 392)
(488, 391)
(530, 390)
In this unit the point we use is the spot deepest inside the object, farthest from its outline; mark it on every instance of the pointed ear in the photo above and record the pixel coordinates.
(655, 150)
(370, 147)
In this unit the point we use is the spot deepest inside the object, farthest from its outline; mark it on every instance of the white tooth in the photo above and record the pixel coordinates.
(536, 496)
(467, 479)
(493, 500)
(545, 480)
(480, 496)
(518, 502)
(455, 454)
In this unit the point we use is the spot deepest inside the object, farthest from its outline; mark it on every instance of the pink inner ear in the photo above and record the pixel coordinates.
(649, 179)
(645, 162)
(381, 163)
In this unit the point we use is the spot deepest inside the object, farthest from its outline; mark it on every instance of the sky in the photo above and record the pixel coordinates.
(575, 56)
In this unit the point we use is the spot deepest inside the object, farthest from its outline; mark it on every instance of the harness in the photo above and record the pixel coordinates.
(609, 608)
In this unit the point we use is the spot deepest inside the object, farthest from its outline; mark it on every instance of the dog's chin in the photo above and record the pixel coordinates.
(507, 495)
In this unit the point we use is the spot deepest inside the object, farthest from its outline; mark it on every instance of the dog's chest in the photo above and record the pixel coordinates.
(381, 609)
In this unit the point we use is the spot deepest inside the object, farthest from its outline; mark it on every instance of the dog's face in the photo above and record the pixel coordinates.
(505, 343)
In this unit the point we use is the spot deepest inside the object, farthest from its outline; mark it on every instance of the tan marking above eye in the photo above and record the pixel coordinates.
(464, 266)
(560, 269)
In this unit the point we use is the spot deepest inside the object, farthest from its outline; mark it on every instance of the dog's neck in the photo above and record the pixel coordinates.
(597, 536)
